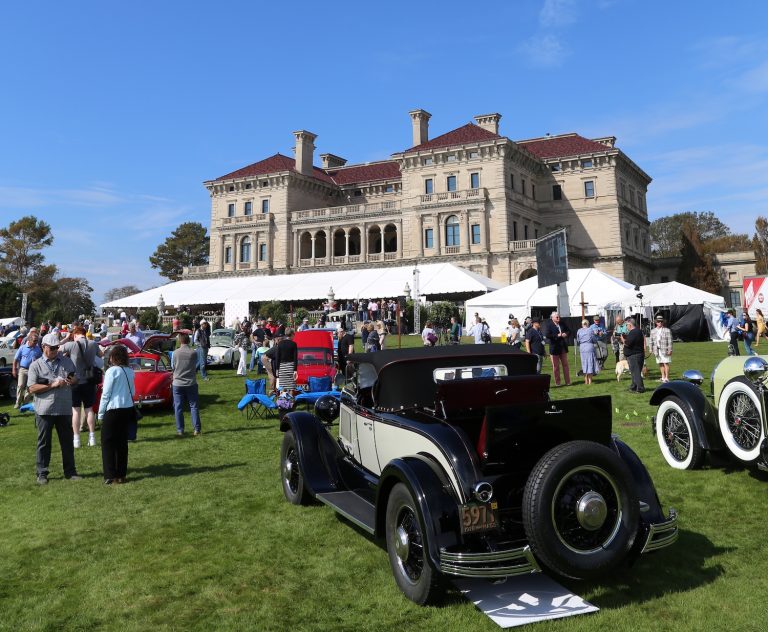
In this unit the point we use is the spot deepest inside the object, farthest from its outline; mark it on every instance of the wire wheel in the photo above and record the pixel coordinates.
(740, 416)
(586, 512)
(678, 437)
(409, 544)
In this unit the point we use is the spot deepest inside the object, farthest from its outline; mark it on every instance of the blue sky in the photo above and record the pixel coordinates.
(113, 114)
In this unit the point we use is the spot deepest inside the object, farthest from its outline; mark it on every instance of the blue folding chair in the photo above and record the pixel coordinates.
(317, 387)
(256, 402)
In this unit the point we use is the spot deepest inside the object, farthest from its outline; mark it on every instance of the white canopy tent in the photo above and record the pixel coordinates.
(598, 290)
(382, 282)
(6, 322)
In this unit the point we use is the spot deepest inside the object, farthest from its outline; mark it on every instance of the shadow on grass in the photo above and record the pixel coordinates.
(680, 568)
(724, 463)
(173, 470)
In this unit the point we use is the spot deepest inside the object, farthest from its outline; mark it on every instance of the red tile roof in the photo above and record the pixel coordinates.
(273, 164)
(469, 133)
(564, 145)
(389, 170)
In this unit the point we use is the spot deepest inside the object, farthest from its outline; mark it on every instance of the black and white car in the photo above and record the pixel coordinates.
(460, 460)
(223, 351)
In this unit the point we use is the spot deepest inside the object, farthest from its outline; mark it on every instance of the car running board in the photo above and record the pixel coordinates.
(353, 507)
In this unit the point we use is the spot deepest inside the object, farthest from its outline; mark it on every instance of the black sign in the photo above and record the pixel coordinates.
(552, 259)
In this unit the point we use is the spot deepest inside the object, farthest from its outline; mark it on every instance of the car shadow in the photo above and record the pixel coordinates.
(172, 470)
(727, 465)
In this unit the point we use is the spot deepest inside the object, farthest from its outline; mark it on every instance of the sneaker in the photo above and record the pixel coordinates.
(42, 479)
(76, 440)
(120, 481)
(15, 405)
(74, 477)
(196, 433)
(91, 439)
(108, 481)
(179, 433)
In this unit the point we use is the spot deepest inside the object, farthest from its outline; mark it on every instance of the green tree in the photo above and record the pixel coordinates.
(10, 299)
(20, 249)
(120, 292)
(440, 313)
(274, 310)
(149, 318)
(760, 244)
(187, 246)
(667, 232)
(697, 266)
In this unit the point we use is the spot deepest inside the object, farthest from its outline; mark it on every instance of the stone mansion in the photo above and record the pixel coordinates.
(470, 196)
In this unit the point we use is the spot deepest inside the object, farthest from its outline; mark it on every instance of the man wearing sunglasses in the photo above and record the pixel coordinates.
(50, 379)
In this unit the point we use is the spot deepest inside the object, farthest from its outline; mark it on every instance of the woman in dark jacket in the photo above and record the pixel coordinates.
(286, 361)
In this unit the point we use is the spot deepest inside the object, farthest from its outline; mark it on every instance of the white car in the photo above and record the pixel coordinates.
(223, 351)
(6, 353)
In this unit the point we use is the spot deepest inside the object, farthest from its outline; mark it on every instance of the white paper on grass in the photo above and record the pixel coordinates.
(524, 599)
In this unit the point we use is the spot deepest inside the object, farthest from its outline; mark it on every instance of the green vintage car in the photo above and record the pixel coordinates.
(688, 424)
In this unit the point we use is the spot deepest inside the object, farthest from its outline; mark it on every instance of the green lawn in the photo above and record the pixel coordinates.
(201, 537)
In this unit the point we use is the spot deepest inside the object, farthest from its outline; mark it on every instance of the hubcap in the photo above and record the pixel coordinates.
(591, 511)
(745, 421)
(676, 436)
(291, 471)
(402, 544)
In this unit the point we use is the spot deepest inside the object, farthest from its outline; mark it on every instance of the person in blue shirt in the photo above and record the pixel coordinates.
(26, 355)
(732, 327)
(597, 329)
(116, 413)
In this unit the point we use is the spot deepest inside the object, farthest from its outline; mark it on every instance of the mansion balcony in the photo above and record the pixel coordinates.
(240, 222)
(448, 198)
(374, 209)
(522, 245)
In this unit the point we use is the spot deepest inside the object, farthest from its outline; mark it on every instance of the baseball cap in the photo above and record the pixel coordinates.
(52, 340)
(596, 318)
(659, 317)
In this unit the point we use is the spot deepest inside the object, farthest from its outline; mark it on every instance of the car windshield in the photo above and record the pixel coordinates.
(314, 356)
(222, 338)
(142, 364)
(468, 372)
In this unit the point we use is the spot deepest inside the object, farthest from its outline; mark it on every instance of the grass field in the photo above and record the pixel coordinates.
(201, 537)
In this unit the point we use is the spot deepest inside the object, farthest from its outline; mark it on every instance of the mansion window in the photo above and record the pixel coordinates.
(525, 231)
(231, 187)
(474, 180)
(450, 183)
(429, 186)
(523, 185)
(623, 188)
(264, 183)
(474, 154)
(451, 158)
(265, 206)
(512, 181)
(555, 166)
(452, 237)
(231, 209)
(514, 231)
(248, 208)
(426, 162)
(390, 188)
(589, 189)
(429, 238)
(262, 252)
(358, 192)
(533, 191)
(586, 164)
(245, 250)
(536, 234)
(475, 233)
(228, 254)
(248, 186)
(557, 192)
(664, 279)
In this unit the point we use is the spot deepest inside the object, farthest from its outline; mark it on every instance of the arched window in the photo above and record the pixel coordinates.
(452, 237)
(245, 250)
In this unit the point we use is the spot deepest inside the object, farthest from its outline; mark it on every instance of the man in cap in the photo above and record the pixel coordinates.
(202, 341)
(661, 346)
(534, 342)
(304, 325)
(51, 378)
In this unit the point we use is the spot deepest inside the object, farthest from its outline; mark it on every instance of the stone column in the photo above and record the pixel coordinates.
(221, 253)
(313, 250)
(329, 245)
(296, 248)
(466, 240)
(364, 243)
(381, 234)
(346, 244)
(438, 231)
(420, 225)
(399, 228)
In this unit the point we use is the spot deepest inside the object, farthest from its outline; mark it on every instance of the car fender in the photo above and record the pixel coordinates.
(431, 490)
(318, 452)
(700, 411)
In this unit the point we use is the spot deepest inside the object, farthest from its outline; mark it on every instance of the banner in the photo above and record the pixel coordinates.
(755, 295)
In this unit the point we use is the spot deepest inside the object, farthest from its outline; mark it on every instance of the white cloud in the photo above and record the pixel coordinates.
(556, 13)
(543, 51)
(756, 79)
(727, 51)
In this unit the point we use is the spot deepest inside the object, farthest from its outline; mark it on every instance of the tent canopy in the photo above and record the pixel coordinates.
(657, 295)
(598, 289)
(381, 282)
(5, 322)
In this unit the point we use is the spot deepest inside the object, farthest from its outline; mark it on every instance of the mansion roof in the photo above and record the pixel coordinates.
(542, 148)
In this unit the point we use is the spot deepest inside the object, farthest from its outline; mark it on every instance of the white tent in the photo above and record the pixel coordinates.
(5, 322)
(598, 289)
(382, 282)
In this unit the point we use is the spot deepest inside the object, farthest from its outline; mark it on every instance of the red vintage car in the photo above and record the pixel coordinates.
(152, 370)
(315, 354)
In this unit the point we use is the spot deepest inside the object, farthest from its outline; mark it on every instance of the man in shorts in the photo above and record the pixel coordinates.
(661, 347)
(83, 353)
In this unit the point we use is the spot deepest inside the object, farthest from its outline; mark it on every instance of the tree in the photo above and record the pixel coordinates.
(667, 232)
(119, 292)
(149, 318)
(273, 310)
(697, 267)
(440, 313)
(187, 246)
(728, 243)
(20, 246)
(10, 299)
(760, 244)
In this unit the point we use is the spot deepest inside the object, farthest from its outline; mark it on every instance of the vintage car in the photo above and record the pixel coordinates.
(223, 351)
(7, 353)
(461, 462)
(689, 424)
(315, 354)
(152, 370)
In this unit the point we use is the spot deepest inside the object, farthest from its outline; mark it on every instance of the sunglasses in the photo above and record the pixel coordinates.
(53, 347)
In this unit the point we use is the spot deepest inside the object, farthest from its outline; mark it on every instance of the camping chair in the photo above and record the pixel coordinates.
(256, 402)
(317, 387)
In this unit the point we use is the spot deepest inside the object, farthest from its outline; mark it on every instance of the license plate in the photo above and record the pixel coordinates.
(479, 517)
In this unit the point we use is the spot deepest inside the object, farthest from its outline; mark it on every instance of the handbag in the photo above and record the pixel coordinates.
(133, 425)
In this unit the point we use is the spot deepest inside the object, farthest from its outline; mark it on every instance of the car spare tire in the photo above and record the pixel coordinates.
(580, 511)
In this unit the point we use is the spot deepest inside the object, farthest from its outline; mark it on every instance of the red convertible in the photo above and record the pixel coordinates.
(152, 367)
(315, 354)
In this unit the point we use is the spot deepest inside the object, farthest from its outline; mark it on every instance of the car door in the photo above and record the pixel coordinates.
(365, 422)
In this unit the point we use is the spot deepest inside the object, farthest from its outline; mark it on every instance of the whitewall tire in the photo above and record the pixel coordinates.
(741, 424)
(677, 436)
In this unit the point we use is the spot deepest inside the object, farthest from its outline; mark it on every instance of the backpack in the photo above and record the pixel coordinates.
(485, 334)
(431, 338)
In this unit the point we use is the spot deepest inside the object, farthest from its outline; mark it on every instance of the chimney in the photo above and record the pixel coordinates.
(331, 161)
(420, 122)
(304, 151)
(489, 122)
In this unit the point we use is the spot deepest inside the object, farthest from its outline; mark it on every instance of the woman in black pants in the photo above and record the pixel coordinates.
(116, 413)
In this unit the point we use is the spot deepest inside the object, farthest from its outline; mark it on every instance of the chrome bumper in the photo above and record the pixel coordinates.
(491, 564)
(662, 534)
(151, 402)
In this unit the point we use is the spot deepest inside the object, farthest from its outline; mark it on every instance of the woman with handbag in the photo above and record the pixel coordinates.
(116, 413)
